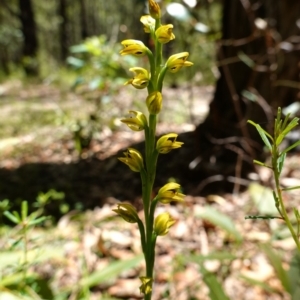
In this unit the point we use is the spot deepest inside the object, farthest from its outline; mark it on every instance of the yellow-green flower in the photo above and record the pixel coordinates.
(163, 223)
(148, 22)
(136, 123)
(141, 78)
(127, 212)
(133, 159)
(146, 286)
(154, 102)
(168, 142)
(154, 9)
(134, 47)
(164, 33)
(170, 192)
(177, 61)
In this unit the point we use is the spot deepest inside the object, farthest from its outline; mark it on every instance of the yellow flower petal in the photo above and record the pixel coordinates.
(133, 47)
(164, 33)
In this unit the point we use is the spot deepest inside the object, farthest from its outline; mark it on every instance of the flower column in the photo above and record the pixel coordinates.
(151, 79)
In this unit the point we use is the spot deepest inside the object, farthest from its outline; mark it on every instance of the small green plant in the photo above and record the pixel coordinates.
(273, 143)
(97, 64)
(19, 278)
(152, 226)
(99, 68)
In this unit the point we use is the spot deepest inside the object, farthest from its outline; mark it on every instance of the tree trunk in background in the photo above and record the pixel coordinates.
(62, 11)
(30, 46)
(258, 59)
(83, 20)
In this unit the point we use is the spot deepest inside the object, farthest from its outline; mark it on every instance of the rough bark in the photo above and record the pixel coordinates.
(258, 59)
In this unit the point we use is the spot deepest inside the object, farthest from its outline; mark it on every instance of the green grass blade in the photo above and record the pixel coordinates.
(261, 284)
(276, 262)
(294, 276)
(221, 220)
(216, 291)
(110, 272)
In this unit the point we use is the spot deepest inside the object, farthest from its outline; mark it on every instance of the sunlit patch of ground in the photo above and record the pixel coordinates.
(34, 126)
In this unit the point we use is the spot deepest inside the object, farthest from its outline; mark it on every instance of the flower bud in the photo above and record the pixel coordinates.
(137, 123)
(148, 22)
(177, 61)
(127, 212)
(170, 192)
(164, 33)
(154, 102)
(146, 286)
(163, 223)
(141, 78)
(154, 9)
(134, 47)
(133, 159)
(167, 142)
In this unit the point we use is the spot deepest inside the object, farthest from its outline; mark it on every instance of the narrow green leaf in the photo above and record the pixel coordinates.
(276, 262)
(110, 272)
(263, 134)
(290, 147)
(290, 126)
(286, 119)
(24, 210)
(297, 187)
(280, 162)
(278, 126)
(261, 284)
(216, 291)
(11, 217)
(280, 139)
(294, 276)
(278, 117)
(15, 278)
(38, 221)
(261, 164)
(219, 219)
(219, 255)
(252, 123)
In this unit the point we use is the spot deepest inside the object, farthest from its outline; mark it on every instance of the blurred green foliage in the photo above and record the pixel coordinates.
(196, 29)
(99, 68)
(99, 65)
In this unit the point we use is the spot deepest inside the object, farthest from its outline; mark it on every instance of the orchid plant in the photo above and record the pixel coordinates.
(152, 225)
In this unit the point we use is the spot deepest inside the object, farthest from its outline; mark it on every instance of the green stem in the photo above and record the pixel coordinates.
(143, 236)
(151, 159)
(151, 88)
(160, 78)
(25, 266)
(282, 210)
(158, 56)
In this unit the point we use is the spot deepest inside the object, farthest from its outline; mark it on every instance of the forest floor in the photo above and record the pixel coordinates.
(92, 253)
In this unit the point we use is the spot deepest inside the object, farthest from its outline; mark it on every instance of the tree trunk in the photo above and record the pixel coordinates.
(62, 11)
(258, 60)
(83, 20)
(30, 45)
